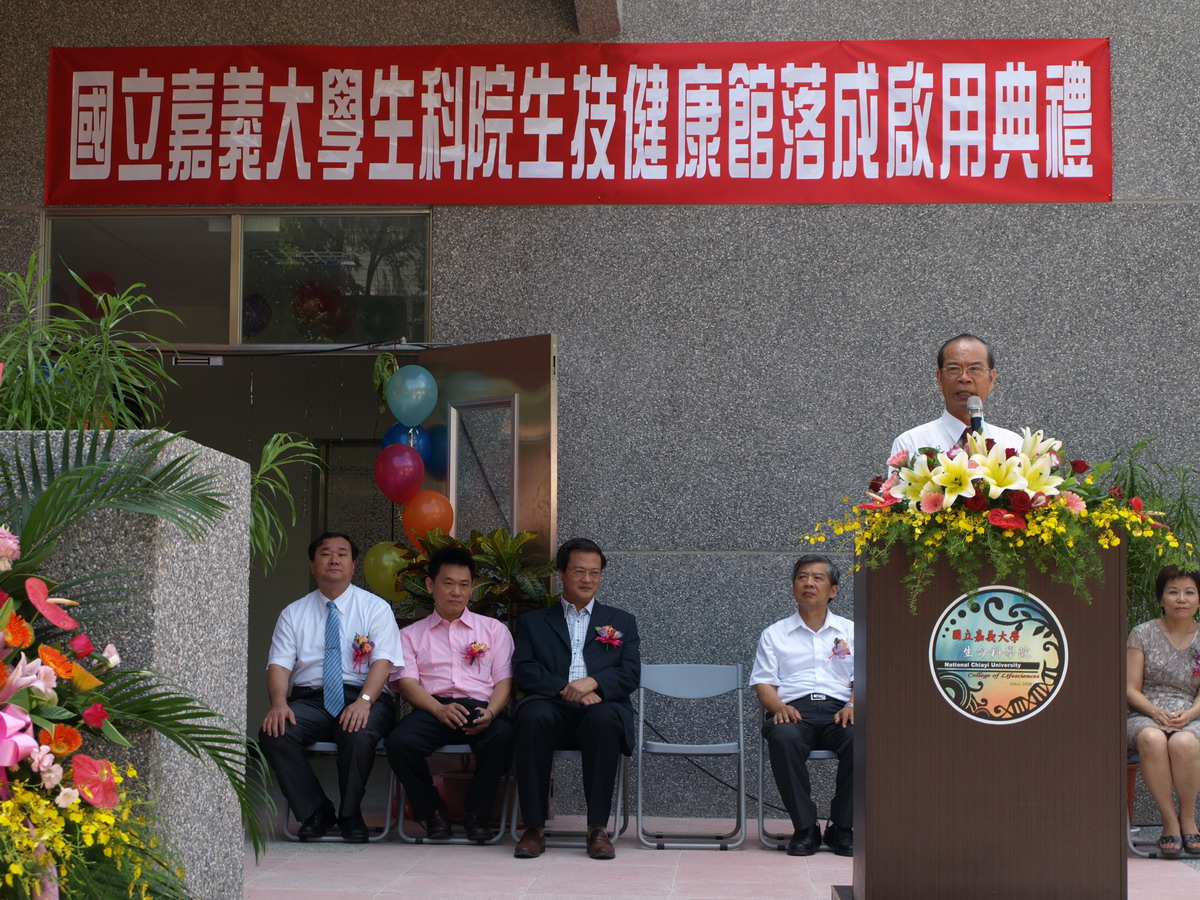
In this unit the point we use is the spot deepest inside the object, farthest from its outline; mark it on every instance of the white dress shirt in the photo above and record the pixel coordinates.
(578, 621)
(944, 432)
(800, 661)
(299, 640)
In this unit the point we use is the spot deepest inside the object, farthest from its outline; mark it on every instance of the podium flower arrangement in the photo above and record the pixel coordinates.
(1006, 507)
(75, 819)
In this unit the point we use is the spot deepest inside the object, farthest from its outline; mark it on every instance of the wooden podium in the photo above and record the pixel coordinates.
(950, 806)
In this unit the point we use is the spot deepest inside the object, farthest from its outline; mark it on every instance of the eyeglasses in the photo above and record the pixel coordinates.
(580, 573)
(977, 370)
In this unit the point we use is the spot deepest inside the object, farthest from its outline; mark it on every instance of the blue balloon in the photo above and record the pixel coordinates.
(416, 437)
(411, 394)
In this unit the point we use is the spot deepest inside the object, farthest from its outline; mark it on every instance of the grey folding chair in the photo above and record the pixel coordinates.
(565, 837)
(691, 682)
(776, 840)
(461, 750)
(329, 748)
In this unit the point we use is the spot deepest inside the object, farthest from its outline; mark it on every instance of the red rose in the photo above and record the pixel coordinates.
(1136, 503)
(95, 715)
(1115, 491)
(82, 645)
(1002, 518)
(1079, 466)
(1009, 452)
(1019, 502)
(876, 484)
(977, 502)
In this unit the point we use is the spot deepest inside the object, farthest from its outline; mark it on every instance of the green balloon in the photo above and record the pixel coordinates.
(380, 566)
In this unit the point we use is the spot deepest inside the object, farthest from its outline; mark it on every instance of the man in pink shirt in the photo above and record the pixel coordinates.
(457, 676)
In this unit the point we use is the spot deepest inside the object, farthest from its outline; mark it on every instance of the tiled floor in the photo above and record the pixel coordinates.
(390, 870)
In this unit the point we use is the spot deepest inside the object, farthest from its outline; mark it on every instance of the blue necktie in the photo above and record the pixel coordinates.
(335, 695)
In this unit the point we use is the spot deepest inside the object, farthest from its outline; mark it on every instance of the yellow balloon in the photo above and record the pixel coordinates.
(380, 566)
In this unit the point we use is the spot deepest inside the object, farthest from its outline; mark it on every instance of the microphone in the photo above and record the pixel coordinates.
(975, 408)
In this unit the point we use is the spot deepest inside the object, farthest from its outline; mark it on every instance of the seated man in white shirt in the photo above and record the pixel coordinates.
(355, 632)
(804, 677)
(966, 367)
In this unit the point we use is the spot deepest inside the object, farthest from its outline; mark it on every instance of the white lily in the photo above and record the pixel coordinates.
(956, 476)
(999, 471)
(913, 480)
(1039, 478)
(1034, 444)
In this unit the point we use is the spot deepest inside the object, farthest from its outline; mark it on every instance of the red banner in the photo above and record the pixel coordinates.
(814, 122)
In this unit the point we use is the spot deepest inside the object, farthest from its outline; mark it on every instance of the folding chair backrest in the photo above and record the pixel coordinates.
(691, 682)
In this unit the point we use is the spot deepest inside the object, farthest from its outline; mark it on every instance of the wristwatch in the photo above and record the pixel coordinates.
(366, 697)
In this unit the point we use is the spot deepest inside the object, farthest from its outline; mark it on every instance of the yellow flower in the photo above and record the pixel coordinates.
(955, 476)
(1038, 476)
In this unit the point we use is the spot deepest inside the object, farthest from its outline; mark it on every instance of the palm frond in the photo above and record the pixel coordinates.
(140, 697)
(67, 475)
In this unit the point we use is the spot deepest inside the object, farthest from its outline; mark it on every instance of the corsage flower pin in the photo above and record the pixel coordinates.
(363, 648)
(609, 636)
(841, 649)
(474, 652)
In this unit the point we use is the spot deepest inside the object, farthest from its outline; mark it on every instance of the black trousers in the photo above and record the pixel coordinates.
(419, 733)
(546, 724)
(789, 745)
(356, 752)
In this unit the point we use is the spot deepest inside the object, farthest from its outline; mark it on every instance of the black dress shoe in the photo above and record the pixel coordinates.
(437, 826)
(477, 829)
(805, 843)
(354, 829)
(314, 827)
(840, 840)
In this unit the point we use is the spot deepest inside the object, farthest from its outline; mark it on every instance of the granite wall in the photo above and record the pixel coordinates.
(727, 374)
(186, 621)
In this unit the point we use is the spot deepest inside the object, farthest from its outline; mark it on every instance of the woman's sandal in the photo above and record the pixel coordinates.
(1169, 846)
(1191, 844)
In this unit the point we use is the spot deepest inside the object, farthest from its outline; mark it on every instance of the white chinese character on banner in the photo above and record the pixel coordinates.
(490, 91)
(241, 124)
(1016, 118)
(1069, 120)
(751, 121)
(341, 123)
(699, 121)
(803, 135)
(91, 125)
(910, 103)
(646, 96)
(141, 150)
(386, 94)
(595, 119)
(291, 95)
(190, 141)
(443, 115)
(543, 87)
(964, 117)
(856, 115)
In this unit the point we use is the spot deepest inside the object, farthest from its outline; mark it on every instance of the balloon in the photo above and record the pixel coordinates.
(416, 437)
(425, 511)
(411, 394)
(439, 452)
(380, 566)
(399, 472)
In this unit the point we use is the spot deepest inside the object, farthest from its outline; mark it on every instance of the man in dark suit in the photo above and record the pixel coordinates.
(578, 662)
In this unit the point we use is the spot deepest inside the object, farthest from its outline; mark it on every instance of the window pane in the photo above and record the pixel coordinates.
(335, 279)
(182, 260)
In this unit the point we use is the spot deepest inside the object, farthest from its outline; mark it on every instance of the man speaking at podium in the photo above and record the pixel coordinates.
(966, 374)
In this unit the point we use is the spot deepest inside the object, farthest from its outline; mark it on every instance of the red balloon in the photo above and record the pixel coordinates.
(399, 472)
(425, 511)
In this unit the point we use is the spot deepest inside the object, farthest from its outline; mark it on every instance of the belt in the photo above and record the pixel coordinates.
(820, 697)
